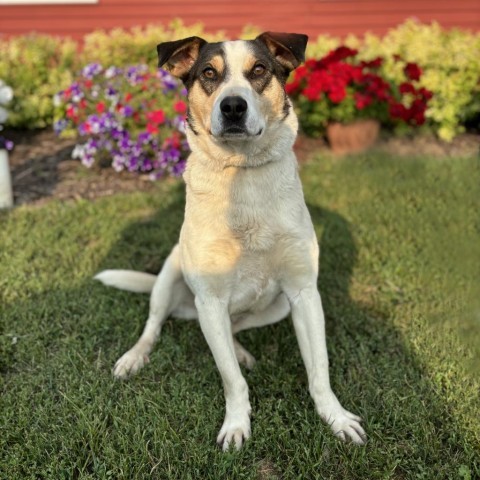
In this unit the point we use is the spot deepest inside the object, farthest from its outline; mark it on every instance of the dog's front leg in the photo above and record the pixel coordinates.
(309, 323)
(216, 327)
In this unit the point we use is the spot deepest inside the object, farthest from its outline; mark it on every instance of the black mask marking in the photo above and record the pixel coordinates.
(209, 85)
(273, 67)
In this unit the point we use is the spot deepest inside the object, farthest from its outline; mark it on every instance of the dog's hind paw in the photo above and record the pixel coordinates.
(129, 364)
(244, 357)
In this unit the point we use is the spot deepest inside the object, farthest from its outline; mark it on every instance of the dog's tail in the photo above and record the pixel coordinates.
(130, 280)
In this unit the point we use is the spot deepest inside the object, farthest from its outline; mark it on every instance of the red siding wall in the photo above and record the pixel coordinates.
(337, 17)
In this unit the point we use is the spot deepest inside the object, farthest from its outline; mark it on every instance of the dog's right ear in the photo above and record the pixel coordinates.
(179, 56)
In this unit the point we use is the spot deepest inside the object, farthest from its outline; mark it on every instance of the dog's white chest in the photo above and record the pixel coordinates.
(254, 289)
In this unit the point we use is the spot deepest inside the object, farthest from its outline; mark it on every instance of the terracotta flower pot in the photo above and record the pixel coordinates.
(353, 137)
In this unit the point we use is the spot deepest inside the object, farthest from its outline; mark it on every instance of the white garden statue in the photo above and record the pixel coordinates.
(6, 194)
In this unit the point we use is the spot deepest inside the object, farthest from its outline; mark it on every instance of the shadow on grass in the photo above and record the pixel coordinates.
(164, 421)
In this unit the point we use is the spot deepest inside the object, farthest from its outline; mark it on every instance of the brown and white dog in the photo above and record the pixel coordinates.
(248, 254)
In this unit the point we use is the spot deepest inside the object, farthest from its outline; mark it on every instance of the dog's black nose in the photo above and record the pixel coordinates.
(233, 108)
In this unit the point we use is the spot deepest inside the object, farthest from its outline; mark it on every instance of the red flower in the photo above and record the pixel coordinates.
(341, 53)
(312, 93)
(337, 94)
(292, 87)
(82, 103)
(157, 116)
(375, 63)
(362, 101)
(301, 72)
(425, 94)
(100, 107)
(419, 118)
(180, 106)
(412, 71)
(152, 128)
(398, 110)
(71, 112)
(88, 83)
(128, 97)
(406, 87)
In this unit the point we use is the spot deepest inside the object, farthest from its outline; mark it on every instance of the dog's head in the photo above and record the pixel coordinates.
(235, 89)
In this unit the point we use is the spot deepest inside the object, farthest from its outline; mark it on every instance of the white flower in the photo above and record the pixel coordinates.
(6, 94)
(78, 151)
(57, 100)
(110, 72)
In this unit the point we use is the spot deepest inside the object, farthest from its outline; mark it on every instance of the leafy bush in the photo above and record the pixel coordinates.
(341, 88)
(123, 47)
(36, 66)
(130, 118)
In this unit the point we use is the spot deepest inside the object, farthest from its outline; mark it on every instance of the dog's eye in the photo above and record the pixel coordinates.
(258, 70)
(209, 73)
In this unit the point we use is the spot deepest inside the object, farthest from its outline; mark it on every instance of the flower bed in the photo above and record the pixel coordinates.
(131, 118)
(340, 87)
(36, 66)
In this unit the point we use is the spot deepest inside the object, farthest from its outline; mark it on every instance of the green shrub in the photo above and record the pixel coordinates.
(122, 47)
(36, 66)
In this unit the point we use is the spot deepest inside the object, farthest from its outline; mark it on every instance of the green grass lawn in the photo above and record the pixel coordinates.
(399, 279)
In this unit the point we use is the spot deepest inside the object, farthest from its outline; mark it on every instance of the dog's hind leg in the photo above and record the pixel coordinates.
(277, 311)
(170, 293)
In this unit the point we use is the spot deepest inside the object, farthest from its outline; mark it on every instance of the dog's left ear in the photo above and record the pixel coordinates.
(180, 55)
(287, 48)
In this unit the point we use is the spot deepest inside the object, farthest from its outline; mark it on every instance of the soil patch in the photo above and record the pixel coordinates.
(42, 167)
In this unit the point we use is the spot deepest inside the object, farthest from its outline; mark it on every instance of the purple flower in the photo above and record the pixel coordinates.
(178, 168)
(127, 111)
(135, 74)
(132, 164)
(90, 70)
(144, 137)
(169, 82)
(110, 93)
(60, 125)
(118, 162)
(5, 143)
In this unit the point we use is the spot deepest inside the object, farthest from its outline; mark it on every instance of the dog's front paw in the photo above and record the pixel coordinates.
(344, 424)
(129, 364)
(235, 430)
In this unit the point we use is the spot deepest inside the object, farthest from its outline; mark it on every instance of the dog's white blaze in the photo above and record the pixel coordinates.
(235, 55)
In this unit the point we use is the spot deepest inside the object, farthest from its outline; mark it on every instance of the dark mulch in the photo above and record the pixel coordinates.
(42, 167)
